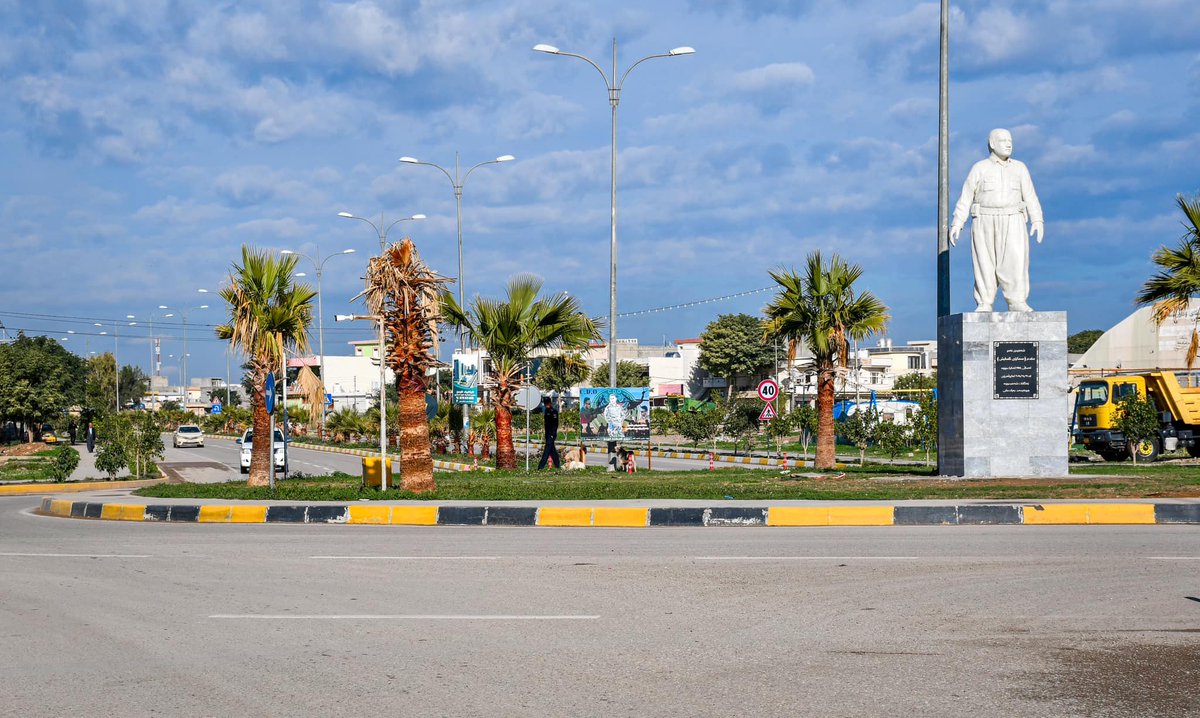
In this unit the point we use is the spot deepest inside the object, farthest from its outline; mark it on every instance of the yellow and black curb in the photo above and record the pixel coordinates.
(634, 517)
(437, 463)
(68, 487)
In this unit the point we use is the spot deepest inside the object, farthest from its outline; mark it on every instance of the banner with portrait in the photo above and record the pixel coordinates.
(608, 414)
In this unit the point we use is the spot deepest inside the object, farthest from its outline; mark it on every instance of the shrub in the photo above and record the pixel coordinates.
(64, 462)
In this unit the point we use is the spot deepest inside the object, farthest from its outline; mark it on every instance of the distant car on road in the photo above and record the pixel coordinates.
(188, 435)
(247, 441)
(49, 435)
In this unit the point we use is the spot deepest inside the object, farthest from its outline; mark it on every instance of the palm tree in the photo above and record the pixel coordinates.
(1172, 289)
(268, 314)
(510, 331)
(821, 309)
(402, 289)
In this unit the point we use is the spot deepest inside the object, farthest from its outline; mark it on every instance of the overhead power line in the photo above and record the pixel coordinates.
(696, 303)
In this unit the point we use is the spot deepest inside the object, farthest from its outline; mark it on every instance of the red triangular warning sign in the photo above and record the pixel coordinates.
(768, 412)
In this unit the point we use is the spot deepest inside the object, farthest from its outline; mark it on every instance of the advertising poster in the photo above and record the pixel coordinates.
(466, 378)
(609, 414)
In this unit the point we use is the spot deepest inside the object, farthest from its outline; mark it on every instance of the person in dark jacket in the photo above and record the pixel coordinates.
(550, 422)
(90, 437)
(71, 431)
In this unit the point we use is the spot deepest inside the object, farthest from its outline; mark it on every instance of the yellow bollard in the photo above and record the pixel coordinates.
(370, 471)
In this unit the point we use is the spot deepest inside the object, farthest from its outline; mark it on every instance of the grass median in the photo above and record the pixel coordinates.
(870, 483)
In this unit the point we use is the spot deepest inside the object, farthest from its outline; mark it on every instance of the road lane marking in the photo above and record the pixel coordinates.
(398, 617)
(807, 558)
(1173, 558)
(406, 558)
(82, 555)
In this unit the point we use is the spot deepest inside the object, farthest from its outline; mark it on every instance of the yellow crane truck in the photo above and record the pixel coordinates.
(1096, 403)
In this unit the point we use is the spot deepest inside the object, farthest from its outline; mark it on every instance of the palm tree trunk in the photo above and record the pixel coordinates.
(826, 458)
(263, 443)
(506, 455)
(416, 462)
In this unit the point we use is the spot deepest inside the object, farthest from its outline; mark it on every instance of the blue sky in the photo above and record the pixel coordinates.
(144, 142)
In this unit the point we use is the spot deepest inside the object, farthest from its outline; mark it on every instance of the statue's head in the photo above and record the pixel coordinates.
(1000, 143)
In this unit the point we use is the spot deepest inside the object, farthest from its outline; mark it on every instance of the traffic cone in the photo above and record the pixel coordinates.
(629, 466)
(712, 466)
(550, 461)
(784, 465)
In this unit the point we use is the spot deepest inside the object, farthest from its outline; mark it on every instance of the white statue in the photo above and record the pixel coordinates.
(999, 196)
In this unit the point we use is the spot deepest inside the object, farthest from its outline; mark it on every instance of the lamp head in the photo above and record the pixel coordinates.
(410, 160)
(203, 306)
(286, 251)
(505, 158)
(343, 317)
(347, 215)
(682, 51)
(347, 251)
(540, 47)
(417, 216)
(202, 291)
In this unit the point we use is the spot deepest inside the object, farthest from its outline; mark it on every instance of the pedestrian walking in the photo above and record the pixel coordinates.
(71, 431)
(90, 437)
(550, 422)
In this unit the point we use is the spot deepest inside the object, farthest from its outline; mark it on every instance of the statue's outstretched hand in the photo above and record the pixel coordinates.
(1037, 231)
(954, 232)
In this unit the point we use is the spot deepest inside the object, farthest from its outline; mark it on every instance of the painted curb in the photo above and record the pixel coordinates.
(1029, 514)
(69, 487)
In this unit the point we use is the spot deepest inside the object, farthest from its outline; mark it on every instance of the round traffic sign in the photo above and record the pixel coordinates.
(528, 397)
(768, 390)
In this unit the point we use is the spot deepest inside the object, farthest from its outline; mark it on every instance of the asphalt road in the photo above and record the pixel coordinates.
(169, 619)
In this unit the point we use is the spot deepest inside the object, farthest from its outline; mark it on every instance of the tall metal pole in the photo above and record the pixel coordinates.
(382, 412)
(462, 283)
(614, 98)
(117, 363)
(943, 260)
(321, 341)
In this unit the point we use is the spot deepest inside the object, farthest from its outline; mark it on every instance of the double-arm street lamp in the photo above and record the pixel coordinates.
(614, 98)
(457, 180)
(116, 349)
(183, 313)
(319, 263)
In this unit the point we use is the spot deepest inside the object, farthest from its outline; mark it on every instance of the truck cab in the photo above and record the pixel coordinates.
(1097, 403)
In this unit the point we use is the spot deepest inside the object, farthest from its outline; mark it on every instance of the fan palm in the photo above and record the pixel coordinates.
(402, 289)
(510, 330)
(1172, 288)
(268, 314)
(820, 309)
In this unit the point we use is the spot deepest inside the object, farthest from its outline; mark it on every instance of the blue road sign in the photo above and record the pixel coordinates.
(216, 407)
(329, 400)
(269, 394)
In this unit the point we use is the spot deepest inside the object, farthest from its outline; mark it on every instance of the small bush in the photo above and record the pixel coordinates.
(64, 462)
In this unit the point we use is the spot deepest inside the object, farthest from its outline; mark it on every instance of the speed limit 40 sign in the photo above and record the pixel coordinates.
(768, 390)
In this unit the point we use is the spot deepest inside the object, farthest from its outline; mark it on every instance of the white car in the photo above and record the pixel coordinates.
(188, 435)
(247, 445)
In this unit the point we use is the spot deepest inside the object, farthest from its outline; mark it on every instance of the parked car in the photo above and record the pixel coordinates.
(247, 442)
(188, 435)
(49, 435)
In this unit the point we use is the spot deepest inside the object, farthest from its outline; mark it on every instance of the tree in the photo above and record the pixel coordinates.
(128, 440)
(733, 346)
(1137, 419)
(805, 421)
(924, 425)
(891, 437)
(740, 422)
(404, 291)
(227, 397)
(1080, 342)
(39, 380)
(698, 427)
(101, 394)
(821, 309)
(629, 374)
(1172, 288)
(915, 380)
(561, 372)
(510, 330)
(859, 430)
(268, 314)
(134, 385)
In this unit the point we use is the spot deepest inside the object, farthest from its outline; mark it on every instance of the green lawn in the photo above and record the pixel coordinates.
(31, 469)
(1092, 481)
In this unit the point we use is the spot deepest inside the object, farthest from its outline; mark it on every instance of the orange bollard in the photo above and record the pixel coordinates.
(784, 460)
(712, 466)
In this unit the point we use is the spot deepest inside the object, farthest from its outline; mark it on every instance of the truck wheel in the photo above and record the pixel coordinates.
(1194, 449)
(1147, 451)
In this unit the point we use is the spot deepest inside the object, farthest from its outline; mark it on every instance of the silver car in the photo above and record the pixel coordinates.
(188, 435)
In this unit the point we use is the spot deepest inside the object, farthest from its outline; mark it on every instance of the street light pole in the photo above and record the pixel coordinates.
(320, 266)
(614, 98)
(457, 180)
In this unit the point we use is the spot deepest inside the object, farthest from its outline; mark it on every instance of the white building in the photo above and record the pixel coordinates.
(1137, 343)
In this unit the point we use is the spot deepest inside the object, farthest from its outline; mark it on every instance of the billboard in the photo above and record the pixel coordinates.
(466, 378)
(608, 414)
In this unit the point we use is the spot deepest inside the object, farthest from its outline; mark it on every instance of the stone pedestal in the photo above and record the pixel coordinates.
(1003, 407)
